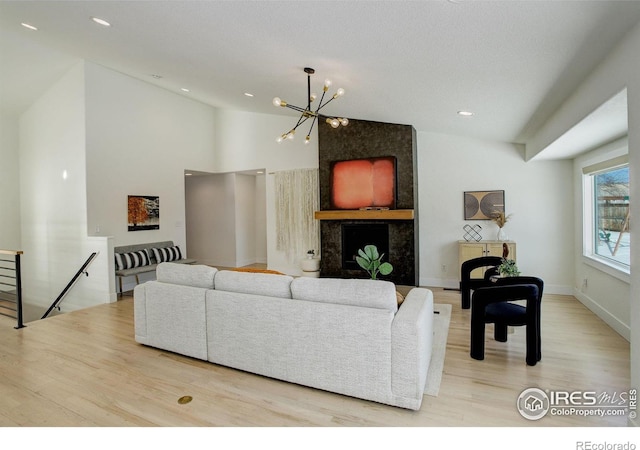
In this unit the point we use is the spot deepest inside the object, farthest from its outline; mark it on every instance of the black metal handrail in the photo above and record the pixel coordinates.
(10, 275)
(56, 302)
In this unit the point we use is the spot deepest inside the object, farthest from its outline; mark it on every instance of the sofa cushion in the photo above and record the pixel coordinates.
(369, 293)
(267, 284)
(167, 254)
(195, 275)
(130, 260)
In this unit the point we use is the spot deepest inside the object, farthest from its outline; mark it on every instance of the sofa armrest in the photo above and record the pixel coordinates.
(411, 344)
(140, 313)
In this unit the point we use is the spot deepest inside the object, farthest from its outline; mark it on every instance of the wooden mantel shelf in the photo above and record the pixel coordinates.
(365, 214)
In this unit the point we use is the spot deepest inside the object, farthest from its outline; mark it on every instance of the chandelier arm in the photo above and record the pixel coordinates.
(320, 105)
(301, 120)
(326, 103)
(296, 108)
(312, 124)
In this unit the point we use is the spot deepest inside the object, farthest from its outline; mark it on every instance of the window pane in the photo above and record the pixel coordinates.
(612, 238)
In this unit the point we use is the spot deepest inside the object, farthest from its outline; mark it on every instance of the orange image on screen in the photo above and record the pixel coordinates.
(363, 183)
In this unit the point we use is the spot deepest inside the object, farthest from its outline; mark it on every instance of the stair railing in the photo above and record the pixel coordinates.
(11, 286)
(65, 291)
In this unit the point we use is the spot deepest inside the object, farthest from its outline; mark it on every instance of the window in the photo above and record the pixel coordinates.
(607, 203)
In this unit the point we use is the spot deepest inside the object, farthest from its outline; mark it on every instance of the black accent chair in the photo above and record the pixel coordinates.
(468, 284)
(493, 305)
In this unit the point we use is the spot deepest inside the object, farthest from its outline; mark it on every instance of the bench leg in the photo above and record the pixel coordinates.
(120, 282)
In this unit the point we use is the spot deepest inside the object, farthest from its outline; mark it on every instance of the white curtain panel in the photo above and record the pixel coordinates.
(297, 198)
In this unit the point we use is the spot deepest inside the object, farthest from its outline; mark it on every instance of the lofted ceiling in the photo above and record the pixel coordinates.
(511, 63)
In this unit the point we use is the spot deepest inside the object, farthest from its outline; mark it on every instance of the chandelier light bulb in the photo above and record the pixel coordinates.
(307, 139)
(340, 92)
(335, 123)
(313, 97)
(327, 85)
(291, 134)
(279, 139)
(344, 121)
(277, 101)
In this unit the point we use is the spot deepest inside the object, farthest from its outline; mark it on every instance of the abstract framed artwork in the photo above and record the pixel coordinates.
(143, 212)
(482, 205)
(368, 183)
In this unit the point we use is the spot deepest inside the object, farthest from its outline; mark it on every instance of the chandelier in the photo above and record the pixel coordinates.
(307, 113)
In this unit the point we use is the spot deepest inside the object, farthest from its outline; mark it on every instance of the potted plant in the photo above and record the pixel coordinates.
(311, 254)
(371, 261)
(508, 268)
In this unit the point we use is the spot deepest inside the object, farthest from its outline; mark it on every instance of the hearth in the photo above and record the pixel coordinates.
(357, 236)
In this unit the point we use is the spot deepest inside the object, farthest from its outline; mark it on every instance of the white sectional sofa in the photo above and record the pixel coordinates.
(341, 335)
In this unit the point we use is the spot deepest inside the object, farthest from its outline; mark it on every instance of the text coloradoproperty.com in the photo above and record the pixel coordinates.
(600, 412)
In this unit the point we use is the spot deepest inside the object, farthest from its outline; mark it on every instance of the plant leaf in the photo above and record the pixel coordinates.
(386, 268)
(371, 251)
(364, 263)
(362, 254)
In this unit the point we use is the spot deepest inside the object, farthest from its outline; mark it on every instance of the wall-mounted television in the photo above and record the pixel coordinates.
(364, 183)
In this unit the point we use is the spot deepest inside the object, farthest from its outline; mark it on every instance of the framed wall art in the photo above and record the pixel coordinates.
(143, 212)
(364, 183)
(482, 205)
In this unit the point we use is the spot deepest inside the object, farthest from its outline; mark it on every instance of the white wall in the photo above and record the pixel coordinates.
(246, 141)
(621, 69)
(139, 141)
(536, 194)
(211, 219)
(245, 219)
(261, 219)
(53, 200)
(9, 184)
(225, 219)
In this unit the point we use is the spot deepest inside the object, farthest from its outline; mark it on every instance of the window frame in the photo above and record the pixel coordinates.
(612, 267)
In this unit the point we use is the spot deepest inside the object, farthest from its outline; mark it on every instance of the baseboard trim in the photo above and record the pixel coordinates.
(621, 328)
(439, 282)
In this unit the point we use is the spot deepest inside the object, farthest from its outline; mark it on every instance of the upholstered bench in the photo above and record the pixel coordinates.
(132, 260)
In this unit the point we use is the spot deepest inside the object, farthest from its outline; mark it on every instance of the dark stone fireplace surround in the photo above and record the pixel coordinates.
(366, 139)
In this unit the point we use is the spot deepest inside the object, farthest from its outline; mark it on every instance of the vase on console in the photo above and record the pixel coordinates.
(501, 219)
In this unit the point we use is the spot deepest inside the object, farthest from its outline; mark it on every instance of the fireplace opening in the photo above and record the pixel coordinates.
(357, 236)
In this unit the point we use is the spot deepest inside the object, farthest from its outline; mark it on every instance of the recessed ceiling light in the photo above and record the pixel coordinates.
(156, 76)
(31, 27)
(465, 113)
(184, 89)
(101, 21)
(248, 94)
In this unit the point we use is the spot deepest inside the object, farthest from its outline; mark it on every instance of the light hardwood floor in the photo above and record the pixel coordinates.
(85, 369)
